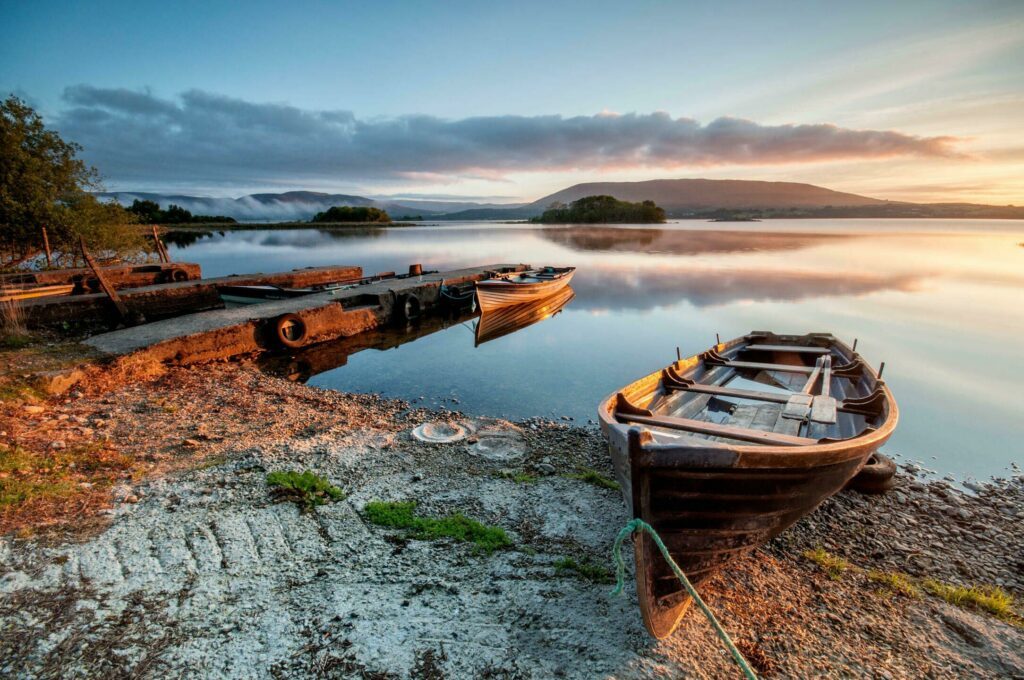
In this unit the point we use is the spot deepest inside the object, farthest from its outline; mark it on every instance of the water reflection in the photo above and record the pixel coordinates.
(620, 288)
(504, 320)
(303, 364)
(680, 242)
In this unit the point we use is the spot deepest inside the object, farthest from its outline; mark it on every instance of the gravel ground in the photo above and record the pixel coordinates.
(196, 571)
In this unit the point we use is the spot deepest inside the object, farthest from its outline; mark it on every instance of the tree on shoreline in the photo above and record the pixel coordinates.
(44, 184)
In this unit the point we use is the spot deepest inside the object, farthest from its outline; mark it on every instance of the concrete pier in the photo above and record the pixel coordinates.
(160, 301)
(119, 276)
(225, 333)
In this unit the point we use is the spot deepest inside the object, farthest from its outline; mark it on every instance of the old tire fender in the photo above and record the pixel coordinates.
(290, 331)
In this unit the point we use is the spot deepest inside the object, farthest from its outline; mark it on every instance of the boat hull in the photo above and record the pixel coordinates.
(493, 295)
(713, 501)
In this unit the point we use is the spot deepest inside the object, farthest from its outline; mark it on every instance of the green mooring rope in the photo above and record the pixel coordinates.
(620, 578)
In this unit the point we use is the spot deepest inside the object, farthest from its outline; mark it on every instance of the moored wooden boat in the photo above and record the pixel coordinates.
(519, 287)
(11, 293)
(724, 450)
(500, 322)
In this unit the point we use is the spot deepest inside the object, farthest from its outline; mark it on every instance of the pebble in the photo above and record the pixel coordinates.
(34, 409)
(58, 445)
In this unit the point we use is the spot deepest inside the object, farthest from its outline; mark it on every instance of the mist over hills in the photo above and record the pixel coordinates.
(681, 198)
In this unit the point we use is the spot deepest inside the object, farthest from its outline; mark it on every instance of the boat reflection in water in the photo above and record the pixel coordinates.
(303, 364)
(504, 320)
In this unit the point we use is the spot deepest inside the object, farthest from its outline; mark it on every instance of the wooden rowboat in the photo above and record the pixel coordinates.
(10, 293)
(500, 322)
(518, 287)
(724, 450)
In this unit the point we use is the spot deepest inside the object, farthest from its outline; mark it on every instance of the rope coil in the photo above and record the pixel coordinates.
(620, 579)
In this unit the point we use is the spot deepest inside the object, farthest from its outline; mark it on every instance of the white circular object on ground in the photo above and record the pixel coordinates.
(439, 433)
(505, 446)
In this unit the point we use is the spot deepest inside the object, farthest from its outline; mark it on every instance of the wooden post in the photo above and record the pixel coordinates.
(161, 249)
(119, 305)
(46, 245)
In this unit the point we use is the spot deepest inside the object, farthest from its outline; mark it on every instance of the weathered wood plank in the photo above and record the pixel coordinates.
(738, 433)
(789, 348)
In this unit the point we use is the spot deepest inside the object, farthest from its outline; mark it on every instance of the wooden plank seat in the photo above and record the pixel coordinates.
(627, 412)
(869, 405)
(788, 348)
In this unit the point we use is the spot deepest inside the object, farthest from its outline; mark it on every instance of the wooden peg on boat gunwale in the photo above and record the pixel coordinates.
(679, 355)
(718, 339)
(855, 344)
(881, 369)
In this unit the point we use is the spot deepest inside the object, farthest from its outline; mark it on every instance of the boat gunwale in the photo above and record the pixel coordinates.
(659, 454)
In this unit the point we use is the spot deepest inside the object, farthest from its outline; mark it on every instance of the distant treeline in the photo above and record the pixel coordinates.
(602, 210)
(345, 213)
(149, 212)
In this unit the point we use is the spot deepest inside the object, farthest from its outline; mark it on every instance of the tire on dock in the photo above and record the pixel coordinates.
(407, 308)
(290, 331)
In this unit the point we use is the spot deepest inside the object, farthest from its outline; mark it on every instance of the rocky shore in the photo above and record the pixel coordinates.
(179, 561)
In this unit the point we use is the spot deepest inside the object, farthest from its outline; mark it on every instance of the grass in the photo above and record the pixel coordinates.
(595, 573)
(517, 477)
(991, 599)
(402, 515)
(594, 477)
(305, 489)
(13, 333)
(833, 565)
(896, 582)
(40, 489)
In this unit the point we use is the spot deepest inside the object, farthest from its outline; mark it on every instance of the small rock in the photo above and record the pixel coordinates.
(34, 409)
(58, 445)
(191, 443)
(546, 468)
(131, 498)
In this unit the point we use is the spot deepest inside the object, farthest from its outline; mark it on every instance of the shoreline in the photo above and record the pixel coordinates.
(183, 560)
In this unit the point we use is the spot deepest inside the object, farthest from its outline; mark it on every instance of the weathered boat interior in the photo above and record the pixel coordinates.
(785, 394)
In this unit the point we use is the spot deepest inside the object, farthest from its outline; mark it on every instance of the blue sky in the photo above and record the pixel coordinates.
(920, 69)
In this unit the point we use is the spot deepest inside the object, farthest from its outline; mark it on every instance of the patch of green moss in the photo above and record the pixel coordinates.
(595, 573)
(306, 489)
(833, 565)
(402, 515)
(594, 477)
(517, 477)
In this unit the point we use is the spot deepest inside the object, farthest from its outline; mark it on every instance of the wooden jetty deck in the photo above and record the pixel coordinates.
(224, 333)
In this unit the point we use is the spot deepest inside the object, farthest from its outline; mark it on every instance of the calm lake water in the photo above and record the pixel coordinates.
(941, 302)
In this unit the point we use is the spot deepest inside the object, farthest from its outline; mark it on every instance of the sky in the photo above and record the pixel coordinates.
(920, 101)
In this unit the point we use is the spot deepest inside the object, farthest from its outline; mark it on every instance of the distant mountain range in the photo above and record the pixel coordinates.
(681, 198)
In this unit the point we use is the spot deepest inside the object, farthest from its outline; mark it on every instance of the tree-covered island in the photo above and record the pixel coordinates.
(602, 210)
(345, 213)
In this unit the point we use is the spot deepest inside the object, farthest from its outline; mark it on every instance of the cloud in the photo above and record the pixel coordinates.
(199, 136)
